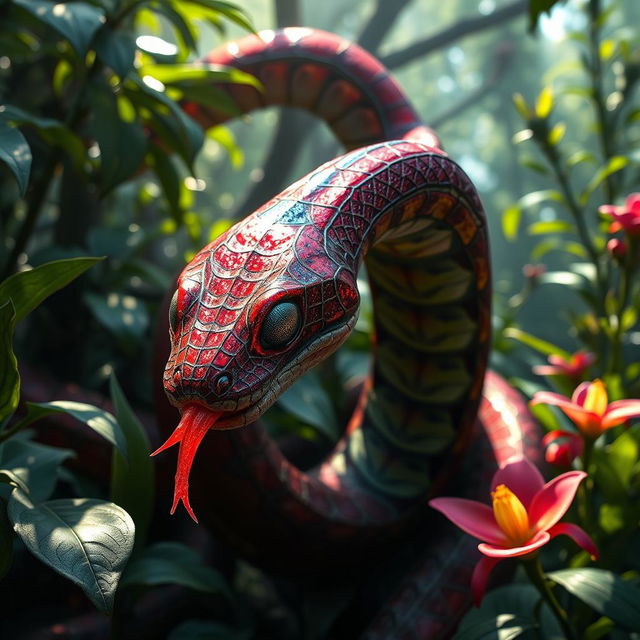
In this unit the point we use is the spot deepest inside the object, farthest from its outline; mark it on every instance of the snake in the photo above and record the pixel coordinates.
(277, 293)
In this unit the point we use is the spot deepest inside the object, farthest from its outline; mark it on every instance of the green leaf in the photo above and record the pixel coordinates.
(169, 181)
(544, 103)
(88, 541)
(35, 465)
(9, 376)
(177, 131)
(123, 315)
(537, 344)
(113, 134)
(117, 49)
(53, 132)
(614, 165)
(187, 34)
(16, 154)
(310, 403)
(557, 133)
(28, 289)
(507, 613)
(174, 563)
(538, 197)
(198, 74)
(604, 592)
(102, 422)
(550, 226)
(231, 11)
(77, 22)
(132, 480)
(511, 222)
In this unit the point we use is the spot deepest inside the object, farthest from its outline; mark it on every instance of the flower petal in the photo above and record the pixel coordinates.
(549, 370)
(550, 436)
(522, 477)
(619, 411)
(596, 398)
(580, 393)
(578, 535)
(553, 500)
(587, 421)
(480, 577)
(501, 552)
(475, 518)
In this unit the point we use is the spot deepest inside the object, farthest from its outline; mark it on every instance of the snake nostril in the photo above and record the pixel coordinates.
(177, 375)
(222, 383)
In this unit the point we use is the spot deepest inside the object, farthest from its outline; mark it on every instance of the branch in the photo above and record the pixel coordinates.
(502, 58)
(383, 18)
(462, 28)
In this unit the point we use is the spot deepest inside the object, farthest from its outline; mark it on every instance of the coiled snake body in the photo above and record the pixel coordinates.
(277, 293)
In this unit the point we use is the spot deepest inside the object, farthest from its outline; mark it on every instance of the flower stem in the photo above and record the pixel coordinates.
(540, 582)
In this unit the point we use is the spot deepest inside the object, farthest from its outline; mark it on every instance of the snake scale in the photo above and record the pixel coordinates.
(276, 293)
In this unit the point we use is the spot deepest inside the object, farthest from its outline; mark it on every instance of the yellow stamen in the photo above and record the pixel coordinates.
(511, 515)
(596, 399)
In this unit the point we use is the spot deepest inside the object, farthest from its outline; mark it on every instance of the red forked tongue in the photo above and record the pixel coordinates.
(194, 423)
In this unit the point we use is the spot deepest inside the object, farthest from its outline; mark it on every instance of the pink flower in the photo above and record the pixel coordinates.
(617, 248)
(589, 408)
(533, 271)
(524, 516)
(562, 447)
(574, 367)
(625, 217)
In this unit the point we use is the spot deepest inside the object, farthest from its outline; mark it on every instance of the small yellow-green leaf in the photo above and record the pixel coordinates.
(511, 222)
(521, 105)
(557, 133)
(607, 49)
(544, 103)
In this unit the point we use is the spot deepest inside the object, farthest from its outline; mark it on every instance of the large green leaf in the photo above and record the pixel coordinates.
(88, 541)
(16, 154)
(9, 376)
(35, 465)
(201, 74)
(535, 343)
(117, 49)
(180, 133)
(231, 11)
(53, 132)
(309, 402)
(28, 289)
(114, 134)
(102, 422)
(174, 563)
(507, 613)
(604, 592)
(132, 479)
(77, 22)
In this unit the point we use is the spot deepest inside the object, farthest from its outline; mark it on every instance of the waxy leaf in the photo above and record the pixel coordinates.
(35, 465)
(132, 480)
(88, 541)
(102, 422)
(28, 289)
(117, 49)
(509, 612)
(77, 22)
(174, 563)
(231, 11)
(9, 376)
(16, 154)
(604, 592)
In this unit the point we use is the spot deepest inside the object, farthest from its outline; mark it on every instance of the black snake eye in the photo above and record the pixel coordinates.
(222, 383)
(173, 312)
(280, 326)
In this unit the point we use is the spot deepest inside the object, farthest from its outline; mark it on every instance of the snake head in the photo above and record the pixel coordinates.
(244, 326)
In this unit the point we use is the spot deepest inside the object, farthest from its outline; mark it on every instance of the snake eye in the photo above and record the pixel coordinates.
(280, 326)
(173, 312)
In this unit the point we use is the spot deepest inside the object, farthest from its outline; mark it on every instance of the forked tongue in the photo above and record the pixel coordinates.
(194, 423)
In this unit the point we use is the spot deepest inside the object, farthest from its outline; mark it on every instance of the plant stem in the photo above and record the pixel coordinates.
(584, 491)
(39, 194)
(540, 582)
(605, 135)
